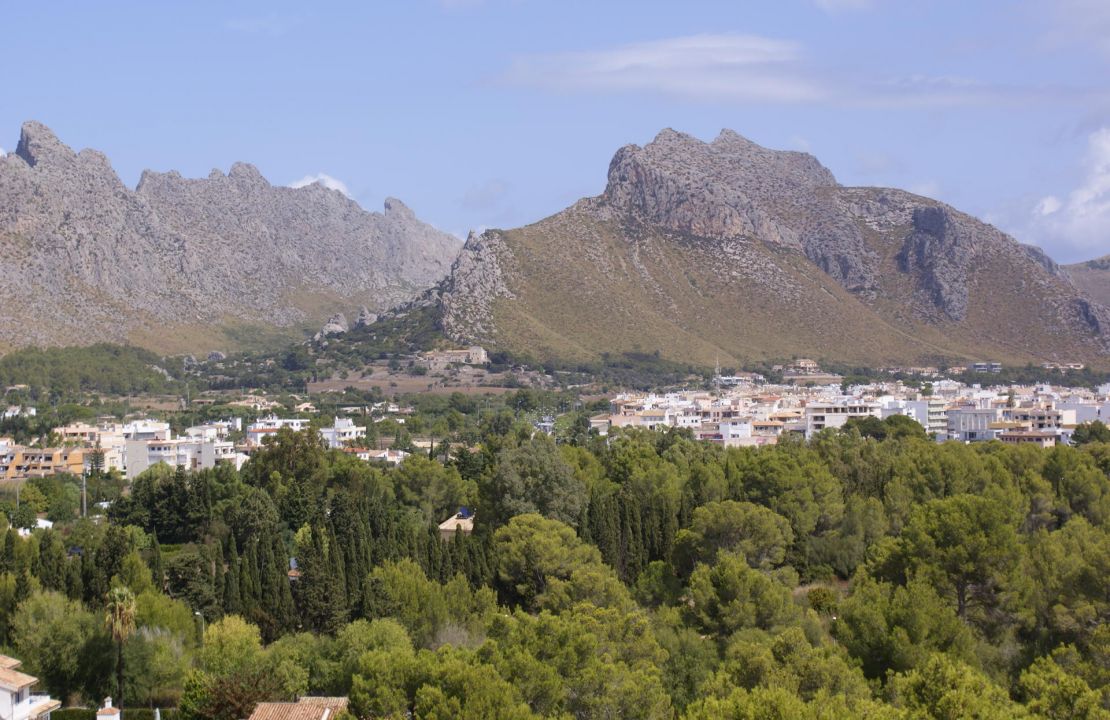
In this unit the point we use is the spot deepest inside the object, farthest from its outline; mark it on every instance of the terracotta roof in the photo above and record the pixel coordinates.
(9, 663)
(108, 712)
(307, 708)
(14, 680)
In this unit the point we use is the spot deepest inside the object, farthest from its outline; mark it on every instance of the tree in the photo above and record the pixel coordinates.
(436, 490)
(1053, 693)
(231, 677)
(946, 689)
(967, 544)
(1091, 432)
(730, 595)
(50, 633)
(759, 534)
(534, 478)
(539, 558)
(120, 621)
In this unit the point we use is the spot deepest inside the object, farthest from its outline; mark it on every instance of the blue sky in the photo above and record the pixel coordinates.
(499, 112)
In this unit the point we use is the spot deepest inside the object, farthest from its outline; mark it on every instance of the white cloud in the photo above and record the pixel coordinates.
(1079, 224)
(754, 69)
(705, 67)
(326, 180)
(1048, 205)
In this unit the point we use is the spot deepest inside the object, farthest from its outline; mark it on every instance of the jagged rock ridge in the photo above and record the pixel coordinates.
(89, 259)
(697, 249)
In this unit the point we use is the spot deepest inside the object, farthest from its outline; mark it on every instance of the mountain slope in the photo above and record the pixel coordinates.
(180, 264)
(1092, 278)
(698, 250)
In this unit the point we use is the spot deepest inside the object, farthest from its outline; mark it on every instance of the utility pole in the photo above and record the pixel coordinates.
(85, 493)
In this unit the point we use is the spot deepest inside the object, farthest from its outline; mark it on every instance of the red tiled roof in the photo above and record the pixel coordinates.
(307, 708)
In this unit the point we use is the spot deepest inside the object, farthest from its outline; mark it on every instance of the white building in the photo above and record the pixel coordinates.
(973, 424)
(258, 431)
(189, 453)
(17, 702)
(342, 433)
(822, 414)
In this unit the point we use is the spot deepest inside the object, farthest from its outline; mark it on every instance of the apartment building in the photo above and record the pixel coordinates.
(834, 413)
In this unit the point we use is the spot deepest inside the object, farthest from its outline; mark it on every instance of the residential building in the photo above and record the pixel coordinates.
(18, 462)
(305, 708)
(972, 424)
(257, 432)
(1041, 438)
(186, 452)
(460, 522)
(836, 412)
(342, 433)
(17, 702)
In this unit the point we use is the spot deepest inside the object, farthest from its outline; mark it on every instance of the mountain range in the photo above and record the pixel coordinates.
(730, 251)
(181, 264)
(696, 251)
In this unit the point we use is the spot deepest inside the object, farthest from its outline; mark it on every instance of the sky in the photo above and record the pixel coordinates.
(497, 113)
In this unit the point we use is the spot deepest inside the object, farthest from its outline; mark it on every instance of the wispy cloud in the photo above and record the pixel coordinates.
(1078, 224)
(753, 69)
(704, 67)
(323, 179)
(1067, 22)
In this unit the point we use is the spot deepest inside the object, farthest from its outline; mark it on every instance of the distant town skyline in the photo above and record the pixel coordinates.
(482, 113)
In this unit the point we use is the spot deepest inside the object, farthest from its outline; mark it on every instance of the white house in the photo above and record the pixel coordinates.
(17, 702)
(257, 432)
(342, 433)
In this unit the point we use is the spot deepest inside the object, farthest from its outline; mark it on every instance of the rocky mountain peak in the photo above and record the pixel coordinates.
(38, 143)
(396, 208)
(246, 174)
(734, 189)
(194, 252)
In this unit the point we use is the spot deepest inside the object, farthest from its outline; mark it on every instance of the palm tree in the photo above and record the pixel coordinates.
(120, 620)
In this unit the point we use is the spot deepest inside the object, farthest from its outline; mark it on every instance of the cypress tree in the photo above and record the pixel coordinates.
(157, 571)
(75, 588)
(232, 604)
(218, 573)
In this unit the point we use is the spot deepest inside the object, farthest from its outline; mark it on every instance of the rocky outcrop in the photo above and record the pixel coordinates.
(86, 258)
(478, 278)
(336, 325)
(937, 254)
(725, 249)
(365, 317)
(1092, 278)
(732, 188)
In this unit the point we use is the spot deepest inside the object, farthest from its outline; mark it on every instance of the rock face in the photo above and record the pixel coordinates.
(697, 250)
(88, 259)
(1092, 278)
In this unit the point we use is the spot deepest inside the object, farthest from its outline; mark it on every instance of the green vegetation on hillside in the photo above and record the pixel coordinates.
(102, 368)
